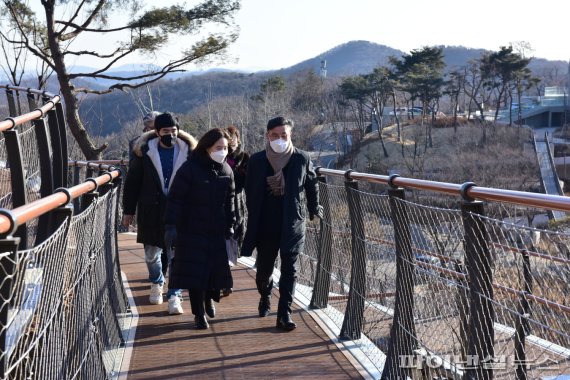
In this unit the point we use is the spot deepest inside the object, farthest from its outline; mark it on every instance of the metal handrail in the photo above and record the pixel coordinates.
(97, 164)
(27, 89)
(12, 122)
(467, 190)
(10, 220)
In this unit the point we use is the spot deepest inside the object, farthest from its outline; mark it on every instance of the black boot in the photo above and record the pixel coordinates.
(264, 306)
(285, 323)
(201, 322)
(210, 308)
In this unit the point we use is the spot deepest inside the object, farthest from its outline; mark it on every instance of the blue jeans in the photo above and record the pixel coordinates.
(154, 265)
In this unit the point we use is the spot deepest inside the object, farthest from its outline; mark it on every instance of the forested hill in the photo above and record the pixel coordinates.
(351, 58)
(105, 114)
(180, 96)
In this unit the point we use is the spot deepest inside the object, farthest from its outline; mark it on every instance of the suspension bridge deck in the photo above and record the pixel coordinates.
(238, 344)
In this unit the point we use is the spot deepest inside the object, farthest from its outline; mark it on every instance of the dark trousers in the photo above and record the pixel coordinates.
(197, 301)
(266, 254)
(164, 261)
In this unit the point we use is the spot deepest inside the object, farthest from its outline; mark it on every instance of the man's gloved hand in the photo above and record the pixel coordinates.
(229, 233)
(170, 235)
(319, 213)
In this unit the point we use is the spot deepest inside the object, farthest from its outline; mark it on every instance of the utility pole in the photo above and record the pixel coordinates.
(323, 75)
(322, 118)
(324, 70)
(567, 92)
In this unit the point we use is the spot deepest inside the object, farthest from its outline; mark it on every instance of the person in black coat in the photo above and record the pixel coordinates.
(148, 125)
(199, 218)
(280, 185)
(158, 155)
(237, 159)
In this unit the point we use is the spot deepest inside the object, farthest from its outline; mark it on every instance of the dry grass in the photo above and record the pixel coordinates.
(504, 158)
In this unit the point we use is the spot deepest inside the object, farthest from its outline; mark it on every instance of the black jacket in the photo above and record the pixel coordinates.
(144, 192)
(200, 205)
(301, 188)
(238, 163)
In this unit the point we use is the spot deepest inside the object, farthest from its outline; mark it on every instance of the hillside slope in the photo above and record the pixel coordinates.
(505, 160)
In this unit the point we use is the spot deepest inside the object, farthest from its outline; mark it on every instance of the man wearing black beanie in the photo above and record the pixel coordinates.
(158, 154)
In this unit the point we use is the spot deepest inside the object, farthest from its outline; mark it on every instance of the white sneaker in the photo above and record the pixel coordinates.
(174, 306)
(155, 297)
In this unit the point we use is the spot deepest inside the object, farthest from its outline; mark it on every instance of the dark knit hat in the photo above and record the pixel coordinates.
(165, 120)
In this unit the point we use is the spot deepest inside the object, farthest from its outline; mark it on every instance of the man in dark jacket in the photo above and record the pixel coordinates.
(158, 155)
(280, 181)
(148, 125)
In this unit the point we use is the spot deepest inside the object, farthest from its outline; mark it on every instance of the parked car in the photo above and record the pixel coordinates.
(399, 111)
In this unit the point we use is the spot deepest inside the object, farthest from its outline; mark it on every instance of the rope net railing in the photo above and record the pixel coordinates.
(531, 272)
(438, 298)
(32, 151)
(32, 178)
(5, 186)
(67, 312)
(339, 239)
(435, 292)
(63, 308)
(34, 303)
(379, 277)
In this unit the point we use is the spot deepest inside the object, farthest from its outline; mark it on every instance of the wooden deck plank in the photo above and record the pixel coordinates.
(238, 345)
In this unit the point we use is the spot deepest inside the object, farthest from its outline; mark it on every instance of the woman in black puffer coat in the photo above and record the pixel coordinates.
(199, 217)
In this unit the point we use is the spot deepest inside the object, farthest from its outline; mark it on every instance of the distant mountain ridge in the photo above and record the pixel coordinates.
(183, 92)
(361, 57)
(351, 58)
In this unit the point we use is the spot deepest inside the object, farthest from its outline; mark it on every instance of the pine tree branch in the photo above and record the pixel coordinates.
(61, 32)
(93, 53)
(79, 29)
(97, 74)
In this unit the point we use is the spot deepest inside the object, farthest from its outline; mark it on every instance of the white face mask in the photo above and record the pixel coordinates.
(218, 156)
(279, 145)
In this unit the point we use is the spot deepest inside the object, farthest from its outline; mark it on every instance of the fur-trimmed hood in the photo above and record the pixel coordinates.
(143, 140)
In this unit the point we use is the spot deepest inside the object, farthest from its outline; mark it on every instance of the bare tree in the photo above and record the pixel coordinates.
(63, 22)
(272, 96)
(453, 88)
(14, 58)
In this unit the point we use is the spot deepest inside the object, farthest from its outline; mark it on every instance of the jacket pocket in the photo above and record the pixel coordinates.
(150, 215)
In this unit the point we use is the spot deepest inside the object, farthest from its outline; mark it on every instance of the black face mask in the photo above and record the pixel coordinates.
(168, 140)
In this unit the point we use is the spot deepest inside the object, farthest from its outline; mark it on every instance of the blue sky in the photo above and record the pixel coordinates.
(281, 33)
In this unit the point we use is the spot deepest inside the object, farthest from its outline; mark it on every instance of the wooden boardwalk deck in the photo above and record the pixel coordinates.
(238, 345)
